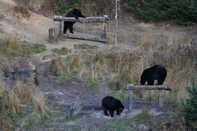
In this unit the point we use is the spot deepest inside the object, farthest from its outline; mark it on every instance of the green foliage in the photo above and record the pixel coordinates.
(181, 11)
(25, 2)
(71, 117)
(102, 4)
(62, 6)
(91, 83)
(118, 125)
(190, 108)
(61, 51)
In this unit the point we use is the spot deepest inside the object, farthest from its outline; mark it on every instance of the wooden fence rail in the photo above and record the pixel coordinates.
(102, 20)
(161, 88)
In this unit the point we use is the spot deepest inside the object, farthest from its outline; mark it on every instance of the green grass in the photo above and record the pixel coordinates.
(15, 48)
(91, 83)
(61, 51)
(85, 46)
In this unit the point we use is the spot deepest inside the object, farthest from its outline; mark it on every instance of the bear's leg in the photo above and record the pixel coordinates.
(150, 82)
(118, 113)
(70, 26)
(111, 113)
(105, 112)
(160, 81)
(71, 29)
(65, 27)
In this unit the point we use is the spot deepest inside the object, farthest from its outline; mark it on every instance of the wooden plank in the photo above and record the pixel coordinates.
(147, 87)
(103, 19)
(71, 36)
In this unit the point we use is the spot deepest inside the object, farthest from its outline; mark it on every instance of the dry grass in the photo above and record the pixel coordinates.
(14, 101)
(141, 46)
(20, 12)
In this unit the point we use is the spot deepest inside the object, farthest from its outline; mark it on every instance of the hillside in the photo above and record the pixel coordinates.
(140, 45)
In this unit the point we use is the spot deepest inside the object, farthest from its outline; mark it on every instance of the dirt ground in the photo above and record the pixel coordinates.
(35, 29)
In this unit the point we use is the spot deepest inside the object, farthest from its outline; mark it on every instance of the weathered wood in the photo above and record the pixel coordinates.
(103, 33)
(161, 88)
(147, 87)
(86, 38)
(103, 19)
(61, 27)
(75, 107)
(53, 35)
(160, 100)
(130, 99)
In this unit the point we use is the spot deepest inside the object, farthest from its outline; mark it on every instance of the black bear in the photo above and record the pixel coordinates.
(73, 13)
(156, 72)
(111, 104)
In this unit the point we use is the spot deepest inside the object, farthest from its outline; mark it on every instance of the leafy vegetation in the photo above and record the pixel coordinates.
(61, 51)
(60, 6)
(190, 107)
(184, 12)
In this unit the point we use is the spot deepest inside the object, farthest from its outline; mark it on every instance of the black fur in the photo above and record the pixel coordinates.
(156, 72)
(111, 104)
(69, 25)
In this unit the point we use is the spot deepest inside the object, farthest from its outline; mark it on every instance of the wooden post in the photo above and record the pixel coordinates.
(130, 100)
(161, 88)
(116, 18)
(130, 96)
(61, 27)
(160, 100)
(103, 33)
(53, 35)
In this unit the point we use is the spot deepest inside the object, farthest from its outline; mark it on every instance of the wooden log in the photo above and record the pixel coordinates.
(86, 38)
(103, 33)
(147, 87)
(82, 20)
(53, 35)
(74, 108)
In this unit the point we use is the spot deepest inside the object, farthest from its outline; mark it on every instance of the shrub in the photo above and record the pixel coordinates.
(190, 107)
(182, 11)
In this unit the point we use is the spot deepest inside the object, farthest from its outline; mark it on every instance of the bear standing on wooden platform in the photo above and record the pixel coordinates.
(111, 104)
(69, 25)
(156, 72)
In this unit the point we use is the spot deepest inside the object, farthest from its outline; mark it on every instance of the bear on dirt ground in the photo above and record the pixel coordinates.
(111, 104)
(156, 72)
(69, 25)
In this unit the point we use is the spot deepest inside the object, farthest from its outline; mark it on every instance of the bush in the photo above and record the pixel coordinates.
(183, 12)
(190, 108)
(60, 6)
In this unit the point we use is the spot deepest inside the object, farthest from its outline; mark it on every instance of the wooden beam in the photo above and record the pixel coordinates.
(71, 36)
(103, 19)
(161, 88)
(147, 87)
